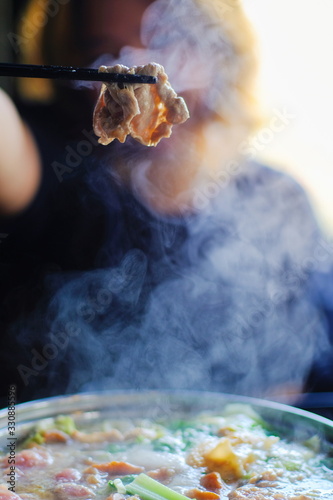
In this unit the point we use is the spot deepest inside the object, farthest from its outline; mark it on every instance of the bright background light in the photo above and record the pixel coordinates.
(296, 52)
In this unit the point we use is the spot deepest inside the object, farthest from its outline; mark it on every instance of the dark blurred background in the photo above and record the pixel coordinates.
(10, 12)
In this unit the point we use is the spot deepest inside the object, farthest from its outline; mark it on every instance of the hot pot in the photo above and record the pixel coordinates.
(84, 463)
(91, 407)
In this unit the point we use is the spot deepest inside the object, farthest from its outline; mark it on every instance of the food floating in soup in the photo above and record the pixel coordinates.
(235, 455)
(147, 112)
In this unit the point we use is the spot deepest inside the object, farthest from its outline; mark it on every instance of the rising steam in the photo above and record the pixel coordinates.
(218, 300)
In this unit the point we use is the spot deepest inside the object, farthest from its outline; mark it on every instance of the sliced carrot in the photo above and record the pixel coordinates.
(212, 482)
(55, 436)
(118, 468)
(163, 474)
(202, 495)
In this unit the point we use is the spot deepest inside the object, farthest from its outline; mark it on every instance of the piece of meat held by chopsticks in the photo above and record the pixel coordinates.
(144, 111)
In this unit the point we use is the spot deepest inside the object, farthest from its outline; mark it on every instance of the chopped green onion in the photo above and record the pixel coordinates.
(149, 489)
(313, 443)
(179, 424)
(125, 480)
(120, 487)
(65, 424)
(116, 447)
(35, 438)
(129, 478)
(168, 444)
(111, 484)
(140, 439)
(292, 466)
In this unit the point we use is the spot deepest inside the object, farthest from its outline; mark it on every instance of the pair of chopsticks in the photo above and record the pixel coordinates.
(70, 73)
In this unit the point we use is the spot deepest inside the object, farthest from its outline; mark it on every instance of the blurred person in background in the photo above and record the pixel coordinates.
(187, 265)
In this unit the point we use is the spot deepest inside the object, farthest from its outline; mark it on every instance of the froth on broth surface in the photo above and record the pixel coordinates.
(233, 455)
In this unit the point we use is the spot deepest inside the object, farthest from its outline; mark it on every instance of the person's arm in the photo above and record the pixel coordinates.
(20, 166)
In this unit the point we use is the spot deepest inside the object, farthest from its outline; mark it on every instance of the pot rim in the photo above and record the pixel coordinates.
(159, 403)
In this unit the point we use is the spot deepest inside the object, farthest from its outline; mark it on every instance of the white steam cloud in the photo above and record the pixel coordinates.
(192, 52)
(219, 300)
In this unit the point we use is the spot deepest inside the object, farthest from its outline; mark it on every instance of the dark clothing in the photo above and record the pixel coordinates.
(97, 292)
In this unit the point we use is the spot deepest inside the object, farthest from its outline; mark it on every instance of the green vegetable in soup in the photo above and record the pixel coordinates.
(149, 489)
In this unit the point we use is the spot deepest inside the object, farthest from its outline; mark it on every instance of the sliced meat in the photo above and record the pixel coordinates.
(67, 490)
(164, 474)
(68, 475)
(33, 457)
(93, 479)
(116, 496)
(140, 432)
(97, 437)
(144, 111)
(18, 472)
(5, 494)
(255, 494)
(90, 470)
(92, 476)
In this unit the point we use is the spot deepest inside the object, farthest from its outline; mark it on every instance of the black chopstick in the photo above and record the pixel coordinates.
(70, 73)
